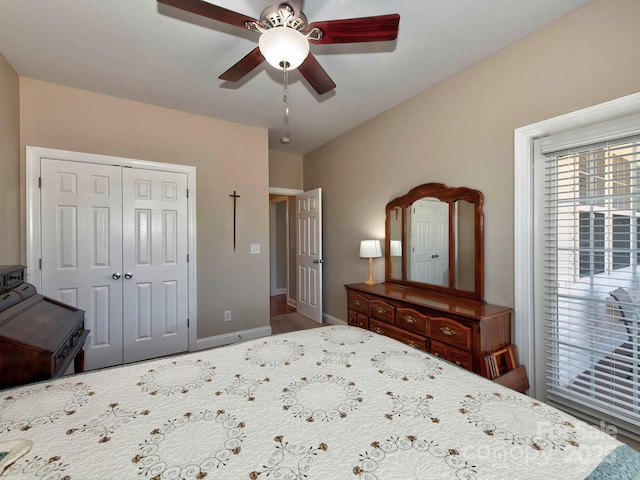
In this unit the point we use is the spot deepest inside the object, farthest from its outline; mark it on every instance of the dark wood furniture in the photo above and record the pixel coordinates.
(458, 257)
(39, 337)
(456, 329)
(432, 298)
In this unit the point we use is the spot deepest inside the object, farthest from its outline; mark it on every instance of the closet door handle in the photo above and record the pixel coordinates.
(128, 275)
(116, 276)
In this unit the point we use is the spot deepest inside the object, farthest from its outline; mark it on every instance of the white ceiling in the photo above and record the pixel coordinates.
(140, 50)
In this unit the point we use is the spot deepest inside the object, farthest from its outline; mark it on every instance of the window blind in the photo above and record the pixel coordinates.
(592, 280)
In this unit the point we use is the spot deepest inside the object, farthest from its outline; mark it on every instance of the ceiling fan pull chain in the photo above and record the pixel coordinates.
(286, 139)
(286, 89)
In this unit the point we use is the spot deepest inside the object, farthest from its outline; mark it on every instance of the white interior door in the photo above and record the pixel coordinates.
(309, 257)
(154, 263)
(429, 257)
(81, 218)
(114, 244)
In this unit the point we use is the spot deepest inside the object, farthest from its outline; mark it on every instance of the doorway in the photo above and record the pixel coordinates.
(282, 254)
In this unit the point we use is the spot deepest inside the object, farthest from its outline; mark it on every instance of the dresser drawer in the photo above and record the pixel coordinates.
(61, 354)
(403, 336)
(358, 320)
(412, 320)
(451, 354)
(383, 311)
(449, 331)
(358, 303)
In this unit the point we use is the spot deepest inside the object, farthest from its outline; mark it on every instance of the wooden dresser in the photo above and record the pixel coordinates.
(455, 329)
(39, 337)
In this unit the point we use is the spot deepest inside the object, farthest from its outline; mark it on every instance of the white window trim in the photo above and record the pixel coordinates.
(524, 219)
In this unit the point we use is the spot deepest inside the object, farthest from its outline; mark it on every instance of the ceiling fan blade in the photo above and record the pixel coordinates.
(313, 72)
(353, 30)
(206, 9)
(244, 66)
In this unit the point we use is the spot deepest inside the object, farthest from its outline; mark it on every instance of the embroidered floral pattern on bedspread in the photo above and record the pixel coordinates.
(330, 403)
(321, 398)
(407, 365)
(178, 376)
(532, 423)
(109, 422)
(190, 446)
(289, 461)
(275, 353)
(409, 456)
(44, 404)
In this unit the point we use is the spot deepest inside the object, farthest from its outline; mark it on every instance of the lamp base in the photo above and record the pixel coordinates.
(370, 282)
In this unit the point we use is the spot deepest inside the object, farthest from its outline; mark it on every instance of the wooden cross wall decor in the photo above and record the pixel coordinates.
(235, 198)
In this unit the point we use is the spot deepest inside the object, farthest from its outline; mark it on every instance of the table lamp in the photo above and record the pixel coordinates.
(370, 249)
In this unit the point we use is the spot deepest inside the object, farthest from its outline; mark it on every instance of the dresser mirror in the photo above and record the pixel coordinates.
(435, 240)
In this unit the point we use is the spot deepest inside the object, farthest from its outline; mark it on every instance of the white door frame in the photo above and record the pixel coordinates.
(291, 193)
(524, 155)
(33, 218)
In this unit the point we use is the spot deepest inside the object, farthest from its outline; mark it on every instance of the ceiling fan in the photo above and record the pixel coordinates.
(285, 35)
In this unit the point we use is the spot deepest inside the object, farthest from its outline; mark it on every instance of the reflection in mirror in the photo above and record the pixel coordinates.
(434, 240)
(464, 215)
(395, 236)
(428, 229)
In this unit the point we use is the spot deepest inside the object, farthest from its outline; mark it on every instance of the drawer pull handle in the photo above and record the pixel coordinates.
(356, 303)
(411, 344)
(410, 319)
(378, 330)
(65, 351)
(437, 354)
(380, 310)
(458, 363)
(447, 331)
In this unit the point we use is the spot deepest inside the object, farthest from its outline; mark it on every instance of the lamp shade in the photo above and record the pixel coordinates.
(284, 47)
(370, 249)
(395, 248)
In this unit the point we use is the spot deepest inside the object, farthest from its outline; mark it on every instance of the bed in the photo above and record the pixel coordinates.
(334, 402)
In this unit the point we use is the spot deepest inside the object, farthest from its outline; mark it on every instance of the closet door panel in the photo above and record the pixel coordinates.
(154, 262)
(81, 208)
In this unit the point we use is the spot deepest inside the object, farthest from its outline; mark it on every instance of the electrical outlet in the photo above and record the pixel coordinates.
(227, 315)
(255, 249)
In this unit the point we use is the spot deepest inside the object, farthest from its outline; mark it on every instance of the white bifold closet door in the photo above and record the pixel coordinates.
(114, 244)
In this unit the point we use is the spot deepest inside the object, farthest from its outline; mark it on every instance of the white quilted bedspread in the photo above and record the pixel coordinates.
(327, 403)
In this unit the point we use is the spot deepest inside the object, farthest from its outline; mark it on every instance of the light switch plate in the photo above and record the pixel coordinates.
(255, 249)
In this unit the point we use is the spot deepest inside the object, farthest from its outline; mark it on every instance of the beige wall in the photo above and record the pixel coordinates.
(9, 165)
(64, 118)
(460, 132)
(285, 170)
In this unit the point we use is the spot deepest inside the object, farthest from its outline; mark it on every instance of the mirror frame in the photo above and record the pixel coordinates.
(448, 195)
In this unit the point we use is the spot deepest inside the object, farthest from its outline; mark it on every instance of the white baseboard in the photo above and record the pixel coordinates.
(228, 338)
(331, 320)
(292, 302)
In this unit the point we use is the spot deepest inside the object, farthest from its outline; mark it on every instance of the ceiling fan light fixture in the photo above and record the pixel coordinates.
(284, 47)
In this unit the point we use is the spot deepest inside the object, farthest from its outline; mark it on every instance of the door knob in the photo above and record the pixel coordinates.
(318, 260)
(116, 276)
(128, 275)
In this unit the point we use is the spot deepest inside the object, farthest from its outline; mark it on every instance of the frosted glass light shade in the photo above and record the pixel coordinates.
(370, 249)
(282, 46)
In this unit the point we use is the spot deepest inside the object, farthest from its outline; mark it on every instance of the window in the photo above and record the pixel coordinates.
(592, 279)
